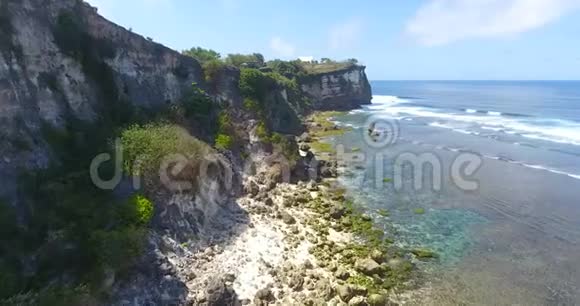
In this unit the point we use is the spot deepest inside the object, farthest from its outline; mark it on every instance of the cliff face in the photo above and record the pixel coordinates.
(63, 66)
(42, 85)
(343, 89)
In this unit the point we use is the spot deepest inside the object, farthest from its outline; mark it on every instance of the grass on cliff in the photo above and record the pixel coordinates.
(318, 68)
(147, 147)
(322, 125)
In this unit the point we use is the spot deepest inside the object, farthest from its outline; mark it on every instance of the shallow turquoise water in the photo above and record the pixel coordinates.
(513, 240)
(446, 231)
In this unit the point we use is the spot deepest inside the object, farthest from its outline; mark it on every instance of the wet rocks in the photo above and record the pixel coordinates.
(424, 253)
(342, 273)
(323, 290)
(305, 137)
(252, 188)
(269, 202)
(304, 147)
(367, 266)
(263, 297)
(377, 256)
(296, 281)
(337, 211)
(218, 294)
(357, 301)
(345, 292)
(377, 300)
(287, 218)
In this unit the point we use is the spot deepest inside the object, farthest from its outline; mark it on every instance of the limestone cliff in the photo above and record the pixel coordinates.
(67, 71)
(42, 85)
(342, 89)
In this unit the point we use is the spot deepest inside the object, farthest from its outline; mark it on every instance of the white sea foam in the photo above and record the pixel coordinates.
(382, 99)
(471, 111)
(534, 166)
(494, 113)
(548, 130)
(497, 129)
(455, 129)
(540, 167)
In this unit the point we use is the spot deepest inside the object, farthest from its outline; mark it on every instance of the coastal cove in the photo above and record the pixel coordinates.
(133, 174)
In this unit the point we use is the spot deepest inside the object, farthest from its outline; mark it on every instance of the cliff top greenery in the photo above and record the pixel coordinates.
(289, 69)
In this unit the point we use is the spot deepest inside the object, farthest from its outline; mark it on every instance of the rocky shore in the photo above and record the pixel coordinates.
(303, 244)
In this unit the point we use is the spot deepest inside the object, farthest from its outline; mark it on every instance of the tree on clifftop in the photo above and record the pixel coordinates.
(202, 55)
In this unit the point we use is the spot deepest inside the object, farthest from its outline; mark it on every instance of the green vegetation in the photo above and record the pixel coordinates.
(210, 60)
(325, 67)
(387, 180)
(288, 69)
(262, 131)
(212, 70)
(393, 270)
(198, 105)
(145, 147)
(384, 212)
(322, 147)
(324, 127)
(424, 253)
(419, 211)
(255, 60)
(202, 55)
(223, 142)
(62, 214)
(255, 84)
(51, 296)
(225, 138)
(287, 147)
(251, 105)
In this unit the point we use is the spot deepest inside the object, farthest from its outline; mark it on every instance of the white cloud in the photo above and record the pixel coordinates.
(440, 22)
(345, 34)
(281, 47)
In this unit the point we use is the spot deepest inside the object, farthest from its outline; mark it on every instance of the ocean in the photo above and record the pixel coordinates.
(486, 173)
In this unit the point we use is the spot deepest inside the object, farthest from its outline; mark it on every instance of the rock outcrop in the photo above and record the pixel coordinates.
(343, 89)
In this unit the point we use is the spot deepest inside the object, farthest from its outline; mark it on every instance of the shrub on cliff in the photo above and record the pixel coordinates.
(75, 231)
(255, 60)
(198, 105)
(212, 70)
(146, 147)
(285, 146)
(255, 84)
(225, 137)
(288, 69)
(202, 55)
(137, 211)
(223, 142)
(118, 249)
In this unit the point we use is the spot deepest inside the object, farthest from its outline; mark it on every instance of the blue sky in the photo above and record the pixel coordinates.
(395, 39)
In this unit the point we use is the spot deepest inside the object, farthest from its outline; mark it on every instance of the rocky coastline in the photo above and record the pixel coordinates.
(302, 243)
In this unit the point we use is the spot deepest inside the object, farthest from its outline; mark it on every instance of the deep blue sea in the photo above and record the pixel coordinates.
(512, 239)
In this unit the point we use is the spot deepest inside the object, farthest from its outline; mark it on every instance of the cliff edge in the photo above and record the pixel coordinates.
(342, 89)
